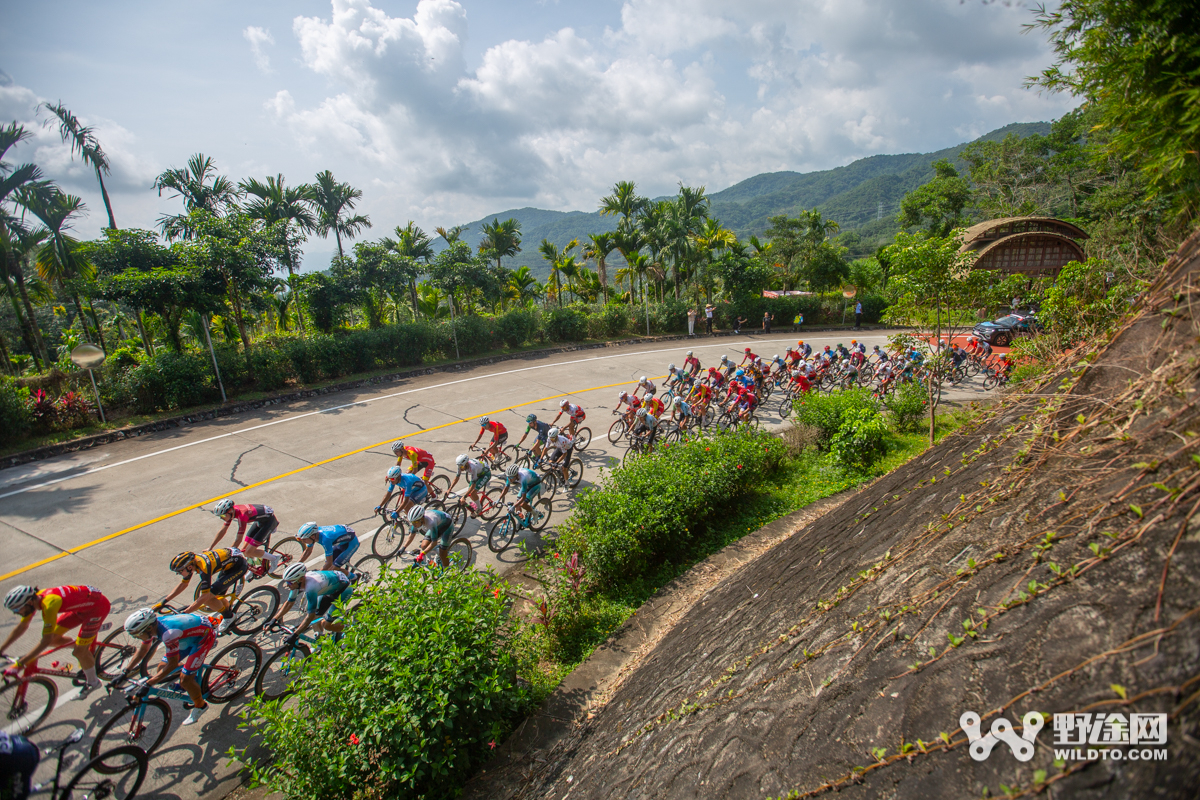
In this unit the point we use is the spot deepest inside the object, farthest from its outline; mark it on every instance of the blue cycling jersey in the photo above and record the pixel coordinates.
(542, 429)
(182, 633)
(328, 536)
(525, 479)
(318, 584)
(406, 483)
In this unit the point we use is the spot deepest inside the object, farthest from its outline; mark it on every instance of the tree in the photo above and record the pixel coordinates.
(275, 202)
(501, 239)
(787, 241)
(741, 274)
(129, 249)
(82, 140)
(324, 295)
(523, 286)
(333, 202)
(937, 290)
(1138, 66)
(801, 249)
(168, 292)
(553, 256)
(415, 245)
(599, 246)
(939, 204)
(59, 259)
(16, 240)
(200, 188)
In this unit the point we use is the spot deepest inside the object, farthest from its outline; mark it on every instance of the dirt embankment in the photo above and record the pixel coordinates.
(1046, 560)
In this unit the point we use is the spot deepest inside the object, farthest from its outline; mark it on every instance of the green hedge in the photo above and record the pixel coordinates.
(169, 380)
(645, 511)
(827, 411)
(15, 417)
(407, 705)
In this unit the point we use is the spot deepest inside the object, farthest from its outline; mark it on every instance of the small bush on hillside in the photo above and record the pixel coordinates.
(827, 412)
(270, 365)
(565, 325)
(15, 417)
(169, 380)
(861, 439)
(644, 511)
(906, 406)
(407, 705)
(517, 327)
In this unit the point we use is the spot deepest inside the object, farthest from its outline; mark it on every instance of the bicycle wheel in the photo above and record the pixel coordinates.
(491, 507)
(289, 550)
(231, 672)
(512, 453)
(440, 484)
(633, 452)
(458, 515)
(575, 473)
(141, 724)
(113, 652)
(278, 676)
(583, 437)
(785, 407)
(254, 610)
(368, 569)
(541, 514)
(389, 538)
(26, 703)
(990, 382)
(550, 481)
(130, 764)
(501, 534)
(235, 589)
(461, 555)
(616, 431)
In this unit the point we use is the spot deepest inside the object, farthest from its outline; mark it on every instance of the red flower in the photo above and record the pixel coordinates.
(739, 466)
(496, 593)
(492, 744)
(353, 739)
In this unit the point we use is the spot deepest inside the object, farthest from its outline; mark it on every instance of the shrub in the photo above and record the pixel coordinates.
(409, 702)
(43, 411)
(269, 365)
(608, 321)
(15, 416)
(906, 406)
(565, 325)
(644, 511)
(170, 380)
(827, 412)
(517, 327)
(74, 410)
(861, 440)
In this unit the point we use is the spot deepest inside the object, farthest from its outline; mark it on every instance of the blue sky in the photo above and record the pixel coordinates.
(442, 111)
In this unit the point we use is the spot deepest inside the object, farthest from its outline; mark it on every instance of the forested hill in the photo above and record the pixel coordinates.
(862, 197)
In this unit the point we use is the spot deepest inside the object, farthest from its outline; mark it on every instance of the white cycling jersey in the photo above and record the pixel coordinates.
(563, 443)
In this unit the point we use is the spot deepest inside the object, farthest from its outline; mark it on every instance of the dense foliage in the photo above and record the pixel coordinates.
(645, 510)
(409, 701)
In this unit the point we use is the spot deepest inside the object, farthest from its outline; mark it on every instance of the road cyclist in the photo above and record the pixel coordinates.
(339, 542)
(321, 590)
(499, 437)
(187, 637)
(62, 608)
(691, 365)
(256, 523)
(478, 474)
(219, 570)
(575, 415)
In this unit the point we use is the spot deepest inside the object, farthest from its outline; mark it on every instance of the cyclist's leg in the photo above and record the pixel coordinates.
(342, 550)
(191, 664)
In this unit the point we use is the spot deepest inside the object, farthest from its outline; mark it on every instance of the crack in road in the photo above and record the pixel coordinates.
(238, 463)
(409, 421)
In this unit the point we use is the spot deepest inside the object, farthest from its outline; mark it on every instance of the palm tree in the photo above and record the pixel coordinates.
(200, 188)
(57, 259)
(412, 242)
(333, 201)
(275, 202)
(83, 141)
(501, 238)
(551, 254)
(16, 242)
(624, 201)
(598, 247)
(452, 235)
(525, 287)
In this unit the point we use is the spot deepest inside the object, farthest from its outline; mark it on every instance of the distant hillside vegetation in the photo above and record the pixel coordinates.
(862, 197)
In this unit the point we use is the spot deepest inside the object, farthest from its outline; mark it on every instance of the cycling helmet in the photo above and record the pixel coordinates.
(416, 513)
(223, 507)
(532, 418)
(182, 561)
(740, 373)
(641, 412)
(562, 403)
(483, 421)
(397, 448)
(18, 597)
(622, 397)
(671, 368)
(876, 347)
(395, 472)
(854, 341)
(643, 379)
(552, 433)
(724, 359)
(776, 358)
(512, 471)
(462, 460)
(1004, 356)
(747, 349)
(800, 343)
(840, 345)
(689, 355)
(306, 530)
(294, 572)
(140, 621)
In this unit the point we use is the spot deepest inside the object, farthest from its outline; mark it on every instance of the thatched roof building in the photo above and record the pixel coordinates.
(1033, 246)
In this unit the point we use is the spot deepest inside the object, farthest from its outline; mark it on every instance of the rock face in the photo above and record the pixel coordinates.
(1046, 560)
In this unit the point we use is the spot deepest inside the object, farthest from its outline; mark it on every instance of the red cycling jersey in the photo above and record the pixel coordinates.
(64, 607)
(496, 428)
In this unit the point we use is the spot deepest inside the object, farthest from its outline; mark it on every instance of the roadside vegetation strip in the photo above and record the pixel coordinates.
(177, 512)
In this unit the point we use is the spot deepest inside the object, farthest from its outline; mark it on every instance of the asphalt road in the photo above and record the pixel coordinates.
(113, 516)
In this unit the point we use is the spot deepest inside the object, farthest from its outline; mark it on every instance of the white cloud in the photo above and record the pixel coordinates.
(701, 91)
(257, 37)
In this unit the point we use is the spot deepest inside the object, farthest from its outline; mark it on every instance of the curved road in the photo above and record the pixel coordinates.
(114, 515)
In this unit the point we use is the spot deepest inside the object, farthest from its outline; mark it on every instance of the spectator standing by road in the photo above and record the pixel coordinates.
(739, 321)
(708, 315)
(768, 318)
(797, 322)
(858, 315)
(691, 322)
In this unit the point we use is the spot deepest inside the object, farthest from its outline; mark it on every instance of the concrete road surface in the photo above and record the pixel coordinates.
(113, 516)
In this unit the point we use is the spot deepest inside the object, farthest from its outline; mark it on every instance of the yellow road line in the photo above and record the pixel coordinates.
(177, 512)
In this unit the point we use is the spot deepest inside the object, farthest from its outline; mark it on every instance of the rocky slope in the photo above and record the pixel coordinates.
(1045, 560)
